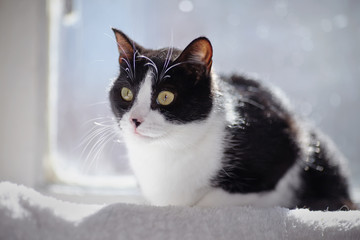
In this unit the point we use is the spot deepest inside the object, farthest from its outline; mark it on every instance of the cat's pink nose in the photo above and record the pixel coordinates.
(136, 122)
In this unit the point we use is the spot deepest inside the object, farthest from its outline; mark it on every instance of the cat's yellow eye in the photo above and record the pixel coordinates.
(165, 98)
(126, 94)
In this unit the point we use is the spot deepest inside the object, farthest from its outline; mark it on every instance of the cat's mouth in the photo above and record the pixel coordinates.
(140, 134)
(147, 133)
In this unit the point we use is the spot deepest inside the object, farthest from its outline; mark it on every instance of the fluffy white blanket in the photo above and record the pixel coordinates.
(26, 214)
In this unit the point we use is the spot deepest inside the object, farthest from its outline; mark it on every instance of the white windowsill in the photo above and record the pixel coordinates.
(92, 195)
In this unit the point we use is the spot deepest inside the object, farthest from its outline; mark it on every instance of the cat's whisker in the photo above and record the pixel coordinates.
(162, 76)
(151, 63)
(86, 163)
(101, 148)
(106, 134)
(167, 76)
(127, 72)
(155, 68)
(104, 125)
(251, 102)
(172, 66)
(97, 119)
(167, 61)
(92, 136)
(128, 69)
(134, 58)
(168, 57)
(96, 130)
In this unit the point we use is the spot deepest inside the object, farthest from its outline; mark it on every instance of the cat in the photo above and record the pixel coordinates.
(197, 138)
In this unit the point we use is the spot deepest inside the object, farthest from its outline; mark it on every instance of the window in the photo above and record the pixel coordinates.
(84, 145)
(310, 52)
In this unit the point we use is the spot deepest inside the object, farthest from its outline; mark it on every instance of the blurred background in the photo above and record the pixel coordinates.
(59, 57)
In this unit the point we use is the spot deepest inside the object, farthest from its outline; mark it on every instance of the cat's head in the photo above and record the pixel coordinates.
(160, 92)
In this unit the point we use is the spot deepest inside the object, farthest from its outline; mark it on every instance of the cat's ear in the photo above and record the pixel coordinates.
(198, 51)
(126, 46)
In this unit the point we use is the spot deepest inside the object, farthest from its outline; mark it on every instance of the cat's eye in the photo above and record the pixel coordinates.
(165, 98)
(126, 94)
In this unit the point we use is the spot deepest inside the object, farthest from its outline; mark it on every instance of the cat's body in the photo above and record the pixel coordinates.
(197, 139)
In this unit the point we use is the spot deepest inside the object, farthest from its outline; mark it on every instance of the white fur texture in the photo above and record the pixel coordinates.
(282, 195)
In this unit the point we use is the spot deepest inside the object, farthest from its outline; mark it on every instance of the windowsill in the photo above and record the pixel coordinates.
(95, 195)
(92, 195)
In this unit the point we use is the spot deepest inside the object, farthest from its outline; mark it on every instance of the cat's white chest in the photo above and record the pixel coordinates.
(169, 176)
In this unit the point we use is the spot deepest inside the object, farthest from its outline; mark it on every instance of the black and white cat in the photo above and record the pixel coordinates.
(195, 138)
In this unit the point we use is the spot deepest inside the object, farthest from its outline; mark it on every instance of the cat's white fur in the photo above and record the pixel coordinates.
(174, 163)
(282, 195)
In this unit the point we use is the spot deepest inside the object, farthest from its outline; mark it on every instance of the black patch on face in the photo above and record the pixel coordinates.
(192, 89)
(190, 83)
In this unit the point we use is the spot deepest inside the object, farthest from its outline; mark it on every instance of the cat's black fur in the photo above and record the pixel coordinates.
(261, 147)
(264, 138)
(267, 139)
